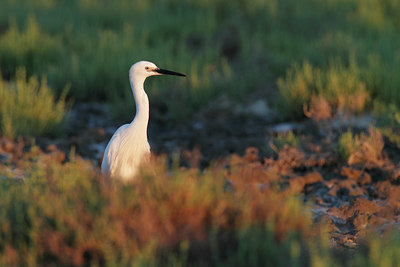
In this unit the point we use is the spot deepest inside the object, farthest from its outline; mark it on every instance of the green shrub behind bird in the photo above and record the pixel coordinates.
(29, 107)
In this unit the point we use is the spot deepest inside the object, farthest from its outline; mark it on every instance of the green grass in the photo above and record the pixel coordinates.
(388, 121)
(231, 47)
(347, 144)
(286, 139)
(31, 47)
(341, 86)
(361, 148)
(28, 107)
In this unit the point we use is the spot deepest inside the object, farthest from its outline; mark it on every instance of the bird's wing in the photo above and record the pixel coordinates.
(107, 166)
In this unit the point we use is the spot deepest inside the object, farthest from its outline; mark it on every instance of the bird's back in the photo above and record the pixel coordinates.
(127, 149)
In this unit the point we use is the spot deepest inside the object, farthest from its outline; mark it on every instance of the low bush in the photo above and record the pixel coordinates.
(30, 47)
(339, 85)
(29, 107)
(366, 149)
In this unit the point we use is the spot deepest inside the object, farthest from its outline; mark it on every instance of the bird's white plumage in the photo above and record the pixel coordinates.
(128, 147)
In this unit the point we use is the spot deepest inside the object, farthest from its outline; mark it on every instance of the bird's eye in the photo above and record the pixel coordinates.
(147, 68)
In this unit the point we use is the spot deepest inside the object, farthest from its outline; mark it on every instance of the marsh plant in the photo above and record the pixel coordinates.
(336, 49)
(28, 106)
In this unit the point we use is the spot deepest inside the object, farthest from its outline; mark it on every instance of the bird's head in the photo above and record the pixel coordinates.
(146, 69)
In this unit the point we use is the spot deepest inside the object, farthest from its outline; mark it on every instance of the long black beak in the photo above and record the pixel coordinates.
(169, 72)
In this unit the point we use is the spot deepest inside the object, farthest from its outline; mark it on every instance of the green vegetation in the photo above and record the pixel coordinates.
(31, 48)
(361, 148)
(341, 86)
(28, 107)
(347, 144)
(389, 122)
(224, 46)
(286, 139)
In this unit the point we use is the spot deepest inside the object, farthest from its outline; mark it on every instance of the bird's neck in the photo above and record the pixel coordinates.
(142, 103)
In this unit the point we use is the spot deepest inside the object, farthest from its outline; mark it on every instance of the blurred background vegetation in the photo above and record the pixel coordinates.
(234, 47)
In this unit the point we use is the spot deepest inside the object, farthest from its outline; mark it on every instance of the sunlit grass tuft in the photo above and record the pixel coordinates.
(286, 139)
(29, 107)
(362, 148)
(347, 144)
(341, 86)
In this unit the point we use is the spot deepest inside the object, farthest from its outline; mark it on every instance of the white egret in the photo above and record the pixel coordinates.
(128, 147)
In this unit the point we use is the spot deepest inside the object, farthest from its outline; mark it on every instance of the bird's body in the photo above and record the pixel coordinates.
(129, 147)
(121, 159)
